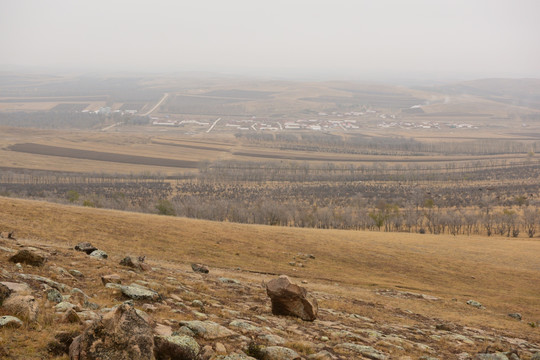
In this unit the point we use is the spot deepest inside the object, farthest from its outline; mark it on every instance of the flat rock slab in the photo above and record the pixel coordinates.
(139, 293)
(208, 330)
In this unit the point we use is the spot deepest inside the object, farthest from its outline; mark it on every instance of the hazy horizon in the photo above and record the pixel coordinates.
(321, 40)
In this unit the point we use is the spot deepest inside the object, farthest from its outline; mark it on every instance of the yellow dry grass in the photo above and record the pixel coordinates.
(501, 273)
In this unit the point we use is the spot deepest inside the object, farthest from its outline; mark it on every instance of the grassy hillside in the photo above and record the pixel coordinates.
(500, 273)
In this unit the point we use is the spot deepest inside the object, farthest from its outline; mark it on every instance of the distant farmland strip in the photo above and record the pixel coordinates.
(40, 149)
(189, 146)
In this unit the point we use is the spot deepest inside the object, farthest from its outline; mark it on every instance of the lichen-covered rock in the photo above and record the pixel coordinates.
(279, 353)
(139, 293)
(28, 257)
(365, 351)
(291, 299)
(121, 335)
(54, 295)
(99, 254)
(208, 330)
(175, 347)
(475, 304)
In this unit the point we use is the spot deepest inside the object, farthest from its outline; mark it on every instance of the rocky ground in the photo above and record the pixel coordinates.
(134, 308)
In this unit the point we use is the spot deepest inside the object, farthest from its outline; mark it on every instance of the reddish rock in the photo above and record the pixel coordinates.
(291, 299)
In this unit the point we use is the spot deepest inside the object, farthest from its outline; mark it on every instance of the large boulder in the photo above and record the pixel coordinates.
(291, 299)
(24, 306)
(121, 335)
(29, 257)
(85, 247)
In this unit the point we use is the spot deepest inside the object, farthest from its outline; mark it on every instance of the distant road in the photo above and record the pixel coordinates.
(166, 95)
(214, 124)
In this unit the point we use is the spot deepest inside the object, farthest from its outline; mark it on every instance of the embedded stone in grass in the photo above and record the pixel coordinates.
(139, 293)
(85, 247)
(10, 321)
(99, 254)
(28, 257)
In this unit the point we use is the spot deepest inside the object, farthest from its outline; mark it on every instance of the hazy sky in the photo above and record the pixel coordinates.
(338, 38)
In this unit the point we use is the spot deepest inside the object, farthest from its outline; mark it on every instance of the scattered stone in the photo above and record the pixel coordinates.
(321, 355)
(279, 353)
(199, 268)
(85, 247)
(112, 278)
(536, 356)
(71, 317)
(495, 356)
(228, 281)
(366, 351)
(22, 305)
(28, 257)
(208, 330)
(76, 273)
(135, 264)
(58, 286)
(10, 321)
(475, 303)
(137, 292)
(445, 327)
(291, 299)
(54, 295)
(207, 353)
(121, 335)
(99, 254)
(65, 306)
(220, 348)
(175, 347)
(516, 316)
(4, 293)
(7, 235)
(235, 357)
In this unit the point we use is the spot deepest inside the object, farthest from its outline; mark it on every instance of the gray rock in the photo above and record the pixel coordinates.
(496, 356)
(245, 326)
(475, 303)
(536, 356)
(175, 346)
(516, 316)
(321, 355)
(65, 306)
(366, 351)
(58, 286)
(85, 247)
(235, 357)
(139, 293)
(228, 281)
(208, 330)
(10, 321)
(279, 353)
(76, 273)
(99, 254)
(54, 295)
